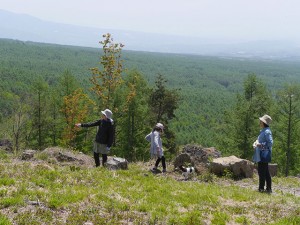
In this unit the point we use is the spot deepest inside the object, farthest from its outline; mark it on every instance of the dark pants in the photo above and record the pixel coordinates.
(264, 176)
(97, 159)
(163, 161)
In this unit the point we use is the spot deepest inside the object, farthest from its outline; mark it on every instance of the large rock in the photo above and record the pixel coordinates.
(67, 156)
(6, 145)
(273, 167)
(28, 154)
(240, 168)
(196, 156)
(115, 163)
(58, 155)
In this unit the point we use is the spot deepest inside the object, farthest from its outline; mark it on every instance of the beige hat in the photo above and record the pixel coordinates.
(266, 119)
(107, 113)
(160, 125)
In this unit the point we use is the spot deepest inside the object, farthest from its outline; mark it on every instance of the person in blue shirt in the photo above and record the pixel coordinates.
(263, 146)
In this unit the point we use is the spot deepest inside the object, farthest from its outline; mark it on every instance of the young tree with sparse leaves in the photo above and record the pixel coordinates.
(20, 125)
(107, 79)
(76, 109)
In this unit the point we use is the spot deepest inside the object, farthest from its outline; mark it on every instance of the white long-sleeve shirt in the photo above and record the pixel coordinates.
(156, 144)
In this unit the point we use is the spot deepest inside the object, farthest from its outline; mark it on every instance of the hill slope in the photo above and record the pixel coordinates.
(41, 191)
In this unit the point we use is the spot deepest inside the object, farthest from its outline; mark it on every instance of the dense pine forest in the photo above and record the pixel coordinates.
(212, 101)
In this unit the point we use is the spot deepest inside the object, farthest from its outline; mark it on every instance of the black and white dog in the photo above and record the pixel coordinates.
(187, 171)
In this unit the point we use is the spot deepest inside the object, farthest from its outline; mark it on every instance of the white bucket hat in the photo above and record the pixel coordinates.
(107, 113)
(266, 119)
(159, 125)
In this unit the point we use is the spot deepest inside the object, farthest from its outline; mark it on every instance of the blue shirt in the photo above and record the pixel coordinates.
(266, 140)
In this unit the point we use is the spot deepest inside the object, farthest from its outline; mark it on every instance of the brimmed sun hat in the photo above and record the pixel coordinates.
(107, 113)
(266, 119)
(159, 125)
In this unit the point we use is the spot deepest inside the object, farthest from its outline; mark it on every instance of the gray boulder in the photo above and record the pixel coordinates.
(116, 163)
(196, 156)
(240, 168)
(273, 167)
(67, 156)
(28, 154)
(6, 145)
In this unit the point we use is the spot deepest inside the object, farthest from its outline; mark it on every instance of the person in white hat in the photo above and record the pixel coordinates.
(104, 137)
(263, 154)
(156, 149)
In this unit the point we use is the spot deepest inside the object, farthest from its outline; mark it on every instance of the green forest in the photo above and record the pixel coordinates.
(211, 101)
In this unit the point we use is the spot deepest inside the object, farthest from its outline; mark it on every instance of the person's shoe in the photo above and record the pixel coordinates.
(154, 169)
(261, 190)
(269, 191)
(164, 171)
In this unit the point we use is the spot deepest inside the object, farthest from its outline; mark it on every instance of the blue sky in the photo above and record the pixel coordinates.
(230, 19)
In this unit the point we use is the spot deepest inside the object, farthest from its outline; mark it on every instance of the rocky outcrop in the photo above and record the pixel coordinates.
(65, 156)
(273, 167)
(240, 168)
(70, 158)
(115, 163)
(28, 154)
(6, 145)
(58, 155)
(196, 156)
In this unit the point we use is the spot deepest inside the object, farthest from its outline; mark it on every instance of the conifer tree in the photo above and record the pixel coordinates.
(39, 116)
(287, 129)
(67, 85)
(242, 125)
(56, 125)
(163, 103)
(135, 116)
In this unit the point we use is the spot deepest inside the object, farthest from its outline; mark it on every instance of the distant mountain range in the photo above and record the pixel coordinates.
(27, 28)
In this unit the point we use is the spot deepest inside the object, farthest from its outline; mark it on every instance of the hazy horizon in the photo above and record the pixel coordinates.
(231, 20)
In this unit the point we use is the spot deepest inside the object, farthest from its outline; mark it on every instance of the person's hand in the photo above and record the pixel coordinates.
(157, 150)
(108, 149)
(255, 144)
(78, 124)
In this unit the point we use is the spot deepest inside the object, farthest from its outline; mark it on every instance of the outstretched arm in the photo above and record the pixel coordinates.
(91, 124)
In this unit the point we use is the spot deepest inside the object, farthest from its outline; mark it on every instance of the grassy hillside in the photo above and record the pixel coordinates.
(208, 84)
(42, 191)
